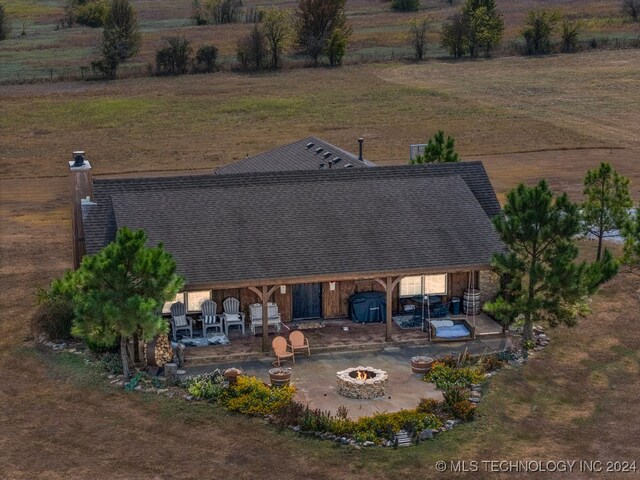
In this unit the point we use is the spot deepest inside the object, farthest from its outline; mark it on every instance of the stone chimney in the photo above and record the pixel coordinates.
(81, 189)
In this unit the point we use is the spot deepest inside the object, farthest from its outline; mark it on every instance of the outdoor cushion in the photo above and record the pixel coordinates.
(442, 323)
(180, 320)
(457, 331)
(233, 317)
(208, 319)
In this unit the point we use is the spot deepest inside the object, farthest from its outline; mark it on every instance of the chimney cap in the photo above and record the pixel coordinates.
(78, 158)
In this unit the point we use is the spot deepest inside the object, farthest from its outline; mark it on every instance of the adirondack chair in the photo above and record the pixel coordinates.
(210, 320)
(232, 315)
(255, 316)
(180, 321)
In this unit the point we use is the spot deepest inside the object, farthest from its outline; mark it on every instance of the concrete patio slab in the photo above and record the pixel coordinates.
(315, 377)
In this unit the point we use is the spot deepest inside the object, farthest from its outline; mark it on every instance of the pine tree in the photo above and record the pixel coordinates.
(438, 150)
(631, 234)
(119, 292)
(121, 29)
(543, 280)
(607, 201)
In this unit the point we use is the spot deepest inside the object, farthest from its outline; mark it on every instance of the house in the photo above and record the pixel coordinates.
(305, 239)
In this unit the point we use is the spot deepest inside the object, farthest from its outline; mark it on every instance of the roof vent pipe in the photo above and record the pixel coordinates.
(360, 142)
(330, 163)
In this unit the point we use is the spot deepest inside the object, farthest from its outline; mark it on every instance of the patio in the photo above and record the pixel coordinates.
(331, 338)
(315, 377)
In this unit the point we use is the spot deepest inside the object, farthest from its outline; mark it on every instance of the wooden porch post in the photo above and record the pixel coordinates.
(265, 319)
(389, 292)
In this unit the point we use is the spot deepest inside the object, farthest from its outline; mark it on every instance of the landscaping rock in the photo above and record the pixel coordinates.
(476, 394)
(368, 443)
(426, 434)
(474, 400)
(296, 428)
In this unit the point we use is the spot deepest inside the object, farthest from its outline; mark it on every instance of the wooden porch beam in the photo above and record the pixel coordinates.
(265, 319)
(248, 283)
(389, 291)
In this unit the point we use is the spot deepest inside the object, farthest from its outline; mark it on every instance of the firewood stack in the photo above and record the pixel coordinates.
(159, 351)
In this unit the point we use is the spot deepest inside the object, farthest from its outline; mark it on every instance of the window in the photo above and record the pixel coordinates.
(167, 306)
(195, 299)
(433, 285)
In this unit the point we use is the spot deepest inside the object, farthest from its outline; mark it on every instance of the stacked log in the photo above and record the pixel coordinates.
(159, 351)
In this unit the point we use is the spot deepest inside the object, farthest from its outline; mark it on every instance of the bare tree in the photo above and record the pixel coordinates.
(277, 30)
(418, 35)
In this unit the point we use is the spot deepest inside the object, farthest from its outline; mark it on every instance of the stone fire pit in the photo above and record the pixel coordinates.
(373, 386)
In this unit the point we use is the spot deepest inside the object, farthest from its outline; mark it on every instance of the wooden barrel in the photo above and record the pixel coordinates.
(280, 376)
(471, 301)
(421, 365)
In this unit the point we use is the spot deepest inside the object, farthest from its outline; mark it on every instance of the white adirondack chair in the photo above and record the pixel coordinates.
(273, 318)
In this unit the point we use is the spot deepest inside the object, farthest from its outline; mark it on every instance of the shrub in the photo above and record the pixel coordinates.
(252, 50)
(54, 319)
(206, 59)
(111, 362)
(289, 414)
(429, 405)
(99, 349)
(174, 59)
(490, 362)
(405, 5)
(457, 404)
(385, 425)
(445, 376)
(252, 397)
(206, 387)
(570, 33)
(55, 314)
(92, 14)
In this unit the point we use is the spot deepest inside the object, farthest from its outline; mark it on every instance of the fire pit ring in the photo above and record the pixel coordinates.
(362, 382)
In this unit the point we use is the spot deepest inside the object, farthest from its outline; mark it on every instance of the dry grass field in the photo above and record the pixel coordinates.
(526, 118)
(379, 33)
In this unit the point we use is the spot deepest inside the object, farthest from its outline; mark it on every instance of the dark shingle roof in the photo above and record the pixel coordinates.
(296, 156)
(233, 228)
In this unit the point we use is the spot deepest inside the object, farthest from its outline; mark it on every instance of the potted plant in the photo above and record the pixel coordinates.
(421, 364)
(280, 376)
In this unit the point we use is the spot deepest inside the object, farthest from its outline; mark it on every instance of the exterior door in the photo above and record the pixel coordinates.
(307, 300)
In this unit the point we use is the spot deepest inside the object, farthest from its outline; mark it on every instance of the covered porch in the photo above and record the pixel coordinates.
(333, 335)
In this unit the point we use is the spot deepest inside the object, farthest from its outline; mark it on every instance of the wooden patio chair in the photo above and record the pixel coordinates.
(180, 321)
(210, 320)
(232, 315)
(298, 341)
(282, 350)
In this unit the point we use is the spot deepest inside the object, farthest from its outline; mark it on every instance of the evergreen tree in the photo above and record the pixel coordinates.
(606, 203)
(543, 280)
(438, 150)
(631, 233)
(121, 29)
(119, 292)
